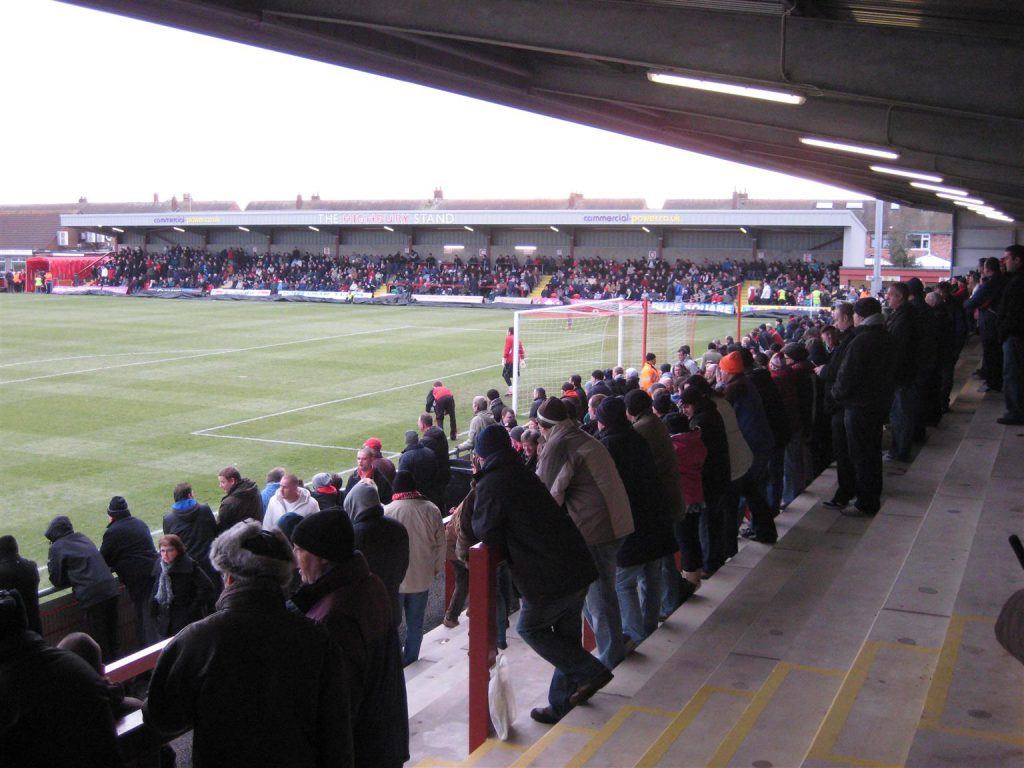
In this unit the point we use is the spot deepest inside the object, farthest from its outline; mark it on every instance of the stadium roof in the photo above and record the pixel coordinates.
(936, 82)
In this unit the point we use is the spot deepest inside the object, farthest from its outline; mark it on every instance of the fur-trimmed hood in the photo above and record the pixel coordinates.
(247, 551)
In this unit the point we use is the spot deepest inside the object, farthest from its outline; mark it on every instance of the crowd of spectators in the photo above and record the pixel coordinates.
(503, 276)
(589, 500)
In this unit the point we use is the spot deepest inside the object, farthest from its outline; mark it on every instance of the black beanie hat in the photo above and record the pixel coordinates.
(663, 403)
(867, 307)
(637, 402)
(326, 534)
(411, 437)
(118, 508)
(8, 545)
(405, 481)
(677, 423)
(492, 440)
(612, 412)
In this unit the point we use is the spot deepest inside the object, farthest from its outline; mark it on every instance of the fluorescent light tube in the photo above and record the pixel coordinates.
(729, 89)
(961, 198)
(907, 173)
(939, 188)
(856, 149)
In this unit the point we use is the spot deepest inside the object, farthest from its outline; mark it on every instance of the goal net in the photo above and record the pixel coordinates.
(559, 341)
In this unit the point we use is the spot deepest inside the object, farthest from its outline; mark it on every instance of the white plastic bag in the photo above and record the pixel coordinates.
(501, 698)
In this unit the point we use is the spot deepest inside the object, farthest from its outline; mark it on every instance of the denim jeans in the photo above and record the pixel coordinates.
(414, 604)
(601, 608)
(1013, 386)
(553, 629)
(639, 590)
(671, 588)
(793, 482)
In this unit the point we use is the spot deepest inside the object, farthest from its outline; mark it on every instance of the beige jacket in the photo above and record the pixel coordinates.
(427, 545)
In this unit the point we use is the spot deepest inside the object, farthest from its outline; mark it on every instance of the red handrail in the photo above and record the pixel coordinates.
(483, 636)
(136, 663)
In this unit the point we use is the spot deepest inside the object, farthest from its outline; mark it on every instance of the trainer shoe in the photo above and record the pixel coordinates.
(834, 503)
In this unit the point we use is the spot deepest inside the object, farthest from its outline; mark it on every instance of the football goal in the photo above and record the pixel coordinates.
(577, 338)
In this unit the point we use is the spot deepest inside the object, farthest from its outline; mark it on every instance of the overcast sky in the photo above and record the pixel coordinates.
(116, 110)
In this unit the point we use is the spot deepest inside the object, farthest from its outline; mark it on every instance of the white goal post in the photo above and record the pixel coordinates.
(561, 340)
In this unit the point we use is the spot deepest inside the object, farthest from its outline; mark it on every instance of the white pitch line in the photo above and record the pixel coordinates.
(105, 354)
(205, 354)
(281, 442)
(431, 380)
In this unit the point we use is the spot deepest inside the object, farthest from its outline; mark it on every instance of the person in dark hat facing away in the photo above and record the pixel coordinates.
(257, 684)
(339, 592)
(127, 547)
(73, 561)
(550, 565)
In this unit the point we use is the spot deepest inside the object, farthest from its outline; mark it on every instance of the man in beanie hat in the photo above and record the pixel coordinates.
(128, 548)
(579, 473)
(55, 709)
(18, 573)
(863, 389)
(427, 548)
(550, 566)
(298, 711)
(339, 592)
(419, 460)
(383, 541)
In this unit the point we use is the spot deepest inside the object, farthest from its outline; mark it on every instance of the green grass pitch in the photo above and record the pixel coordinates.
(111, 395)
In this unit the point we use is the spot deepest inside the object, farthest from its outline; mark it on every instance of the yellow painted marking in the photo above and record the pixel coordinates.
(858, 762)
(974, 733)
(732, 741)
(609, 729)
(682, 721)
(547, 740)
(942, 679)
(842, 705)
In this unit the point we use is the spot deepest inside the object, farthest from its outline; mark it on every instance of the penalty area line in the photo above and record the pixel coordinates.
(206, 432)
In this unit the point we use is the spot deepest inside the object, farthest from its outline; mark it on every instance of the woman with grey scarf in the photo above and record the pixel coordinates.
(182, 592)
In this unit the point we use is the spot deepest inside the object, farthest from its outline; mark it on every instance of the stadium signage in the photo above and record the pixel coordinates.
(332, 295)
(239, 292)
(113, 290)
(386, 218)
(429, 297)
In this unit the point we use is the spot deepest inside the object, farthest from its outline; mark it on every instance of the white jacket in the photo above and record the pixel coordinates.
(277, 508)
(427, 544)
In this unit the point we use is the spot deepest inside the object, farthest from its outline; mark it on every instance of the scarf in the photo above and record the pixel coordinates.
(398, 496)
(164, 594)
(184, 505)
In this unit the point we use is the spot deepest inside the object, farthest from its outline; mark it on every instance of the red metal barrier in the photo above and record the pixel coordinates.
(135, 664)
(483, 637)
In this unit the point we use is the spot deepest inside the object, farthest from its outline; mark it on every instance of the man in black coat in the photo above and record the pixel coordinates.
(985, 301)
(842, 319)
(863, 388)
(127, 547)
(383, 541)
(23, 575)
(1010, 325)
(418, 459)
(550, 565)
(257, 684)
(194, 524)
(906, 327)
(433, 437)
(73, 561)
(242, 500)
(55, 709)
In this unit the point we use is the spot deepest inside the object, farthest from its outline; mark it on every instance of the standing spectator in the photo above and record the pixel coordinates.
(182, 592)
(495, 405)
(18, 573)
(380, 463)
(383, 541)
(983, 304)
(863, 389)
(441, 401)
(74, 561)
(324, 493)
(339, 592)
(580, 474)
(649, 373)
(55, 708)
(366, 469)
(242, 500)
(127, 547)
(195, 525)
(507, 358)
(273, 483)
(1010, 326)
(299, 712)
(638, 573)
(907, 333)
(422, 521)
(539, 396)
(421, 462)
(550, 566)
(291, 499)
(691, 455)
(691, 366)
(842, 319)
(434, 439)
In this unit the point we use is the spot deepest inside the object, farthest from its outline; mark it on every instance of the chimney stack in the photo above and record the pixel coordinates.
(156, 198)
(438, 193)
(298, 202)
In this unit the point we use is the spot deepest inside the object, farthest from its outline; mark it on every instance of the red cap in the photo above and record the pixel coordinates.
(374, 443)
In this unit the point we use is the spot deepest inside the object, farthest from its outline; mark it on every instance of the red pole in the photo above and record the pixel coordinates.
(483, 636)
(739, 311)
(643, 351)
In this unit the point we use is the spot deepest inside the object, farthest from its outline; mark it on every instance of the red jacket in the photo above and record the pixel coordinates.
(691, 453)
(507, 355)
